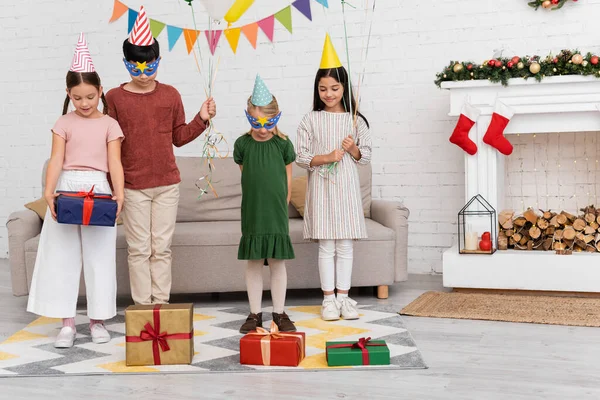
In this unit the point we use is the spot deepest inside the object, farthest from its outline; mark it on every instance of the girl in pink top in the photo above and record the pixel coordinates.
(86, 144)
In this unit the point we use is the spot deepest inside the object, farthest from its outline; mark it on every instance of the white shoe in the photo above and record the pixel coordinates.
(348, 308)
(99, 333)
(330, 310)
(65, 338)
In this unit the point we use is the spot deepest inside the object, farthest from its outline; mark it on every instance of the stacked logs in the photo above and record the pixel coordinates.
(563, 232)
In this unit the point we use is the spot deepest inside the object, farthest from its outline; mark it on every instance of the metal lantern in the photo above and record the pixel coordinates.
(477, 227)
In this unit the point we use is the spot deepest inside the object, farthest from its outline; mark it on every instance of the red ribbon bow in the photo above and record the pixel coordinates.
(361, 344)
(88, 203)
(158, 339)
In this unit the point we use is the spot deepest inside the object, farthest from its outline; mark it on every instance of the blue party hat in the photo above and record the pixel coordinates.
(261, 95)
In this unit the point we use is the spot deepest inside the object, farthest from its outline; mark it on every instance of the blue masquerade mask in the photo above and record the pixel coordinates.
(141, 68)
(267, 123)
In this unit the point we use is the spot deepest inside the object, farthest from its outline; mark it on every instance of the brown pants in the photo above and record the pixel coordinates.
(149, 217)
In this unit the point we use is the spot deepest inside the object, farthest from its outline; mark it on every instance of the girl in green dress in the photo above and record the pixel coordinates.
(265, 156)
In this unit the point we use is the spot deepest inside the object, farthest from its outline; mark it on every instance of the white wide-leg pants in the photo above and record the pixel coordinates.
(62, 251)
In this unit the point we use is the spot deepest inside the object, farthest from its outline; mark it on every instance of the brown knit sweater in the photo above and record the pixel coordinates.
(152, 123)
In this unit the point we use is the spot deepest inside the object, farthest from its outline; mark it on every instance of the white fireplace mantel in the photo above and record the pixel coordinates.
(556, 104)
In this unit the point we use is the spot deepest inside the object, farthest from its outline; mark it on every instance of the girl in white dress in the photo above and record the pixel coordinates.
(331, 142)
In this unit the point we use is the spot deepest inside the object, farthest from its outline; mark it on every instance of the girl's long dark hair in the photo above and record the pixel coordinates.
(91, 78)
(341, 75)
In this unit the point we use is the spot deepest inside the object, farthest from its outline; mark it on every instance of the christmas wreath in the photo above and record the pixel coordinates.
(567, 62)
(551, 4)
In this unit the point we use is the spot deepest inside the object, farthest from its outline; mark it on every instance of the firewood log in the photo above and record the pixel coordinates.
(561, 219)
(520, 222)
(590, 217)
(530, 216)
(505, 219)
(503, 241)
(579, 224)
(569, 233)
(535, 232)
(588, 230)
(542, 223)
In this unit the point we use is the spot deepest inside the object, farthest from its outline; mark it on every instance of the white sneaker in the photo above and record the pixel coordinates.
(348, 308)
(330, 310)
(65, 338)
(99, 333)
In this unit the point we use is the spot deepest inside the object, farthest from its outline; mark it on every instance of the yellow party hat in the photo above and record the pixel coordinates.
(329, 59)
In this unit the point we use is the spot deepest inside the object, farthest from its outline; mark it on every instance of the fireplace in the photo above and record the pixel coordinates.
(555, 105)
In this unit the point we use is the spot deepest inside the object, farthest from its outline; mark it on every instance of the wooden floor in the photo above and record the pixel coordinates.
(467, 359)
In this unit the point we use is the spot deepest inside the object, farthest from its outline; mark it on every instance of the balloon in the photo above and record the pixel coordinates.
(238, 8)
(217, 8)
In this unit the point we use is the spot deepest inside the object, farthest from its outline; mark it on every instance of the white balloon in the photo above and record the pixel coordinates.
(217, 8)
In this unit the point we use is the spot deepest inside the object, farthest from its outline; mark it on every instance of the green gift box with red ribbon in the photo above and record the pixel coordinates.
(160, 334)
(364, 351)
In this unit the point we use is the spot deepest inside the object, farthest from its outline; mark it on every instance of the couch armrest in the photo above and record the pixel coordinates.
(393, 215)
(22, 226)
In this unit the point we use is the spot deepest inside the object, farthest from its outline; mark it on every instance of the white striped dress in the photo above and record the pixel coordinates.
(333, 208)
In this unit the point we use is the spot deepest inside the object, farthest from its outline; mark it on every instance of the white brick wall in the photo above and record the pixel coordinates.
(412, 40)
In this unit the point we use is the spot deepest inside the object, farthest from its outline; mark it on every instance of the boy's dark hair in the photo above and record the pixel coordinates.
(131, 52)
(340, 75)
(91, 78)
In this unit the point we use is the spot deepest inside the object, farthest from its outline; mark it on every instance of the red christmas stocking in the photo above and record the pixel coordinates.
(460, 135)
(494, 136)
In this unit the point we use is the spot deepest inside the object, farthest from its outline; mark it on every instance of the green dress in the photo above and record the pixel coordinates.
(265, 220)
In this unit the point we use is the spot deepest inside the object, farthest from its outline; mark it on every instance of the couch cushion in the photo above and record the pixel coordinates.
(228, 233)
(226, 178)
(365, 176)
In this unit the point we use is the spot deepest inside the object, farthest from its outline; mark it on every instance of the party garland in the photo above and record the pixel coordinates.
(551, 4)
(567, 62)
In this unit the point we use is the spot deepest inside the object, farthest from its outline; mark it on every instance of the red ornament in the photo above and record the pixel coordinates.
(594, 60)
(498, 63)
(510, 64)
(491, 63)
(515, 59)
(554, 1)
(485, 245)
(555, 60)
(469, 67)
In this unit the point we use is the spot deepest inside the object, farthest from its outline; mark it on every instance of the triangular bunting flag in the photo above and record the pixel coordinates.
(190, 36)
(323, 2)
(173, 33)
(251, 32)
(118, 10)
(267, 25)
(233, 37)
(132, 17)
(304, 7)
(285, 17)
(156, 27)
(212, 37)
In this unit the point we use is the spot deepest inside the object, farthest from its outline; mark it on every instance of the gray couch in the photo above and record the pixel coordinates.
(208, 232)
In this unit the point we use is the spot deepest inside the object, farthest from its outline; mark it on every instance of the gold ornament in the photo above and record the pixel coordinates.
(584, 63)
(577, 58)
(520, 65)
(534, 68)
(471, 74)
(554, 70)
(445, 76)
(457, 67)
(547, 4)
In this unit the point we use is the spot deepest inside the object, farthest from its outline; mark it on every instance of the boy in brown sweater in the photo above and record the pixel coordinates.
(152, 118)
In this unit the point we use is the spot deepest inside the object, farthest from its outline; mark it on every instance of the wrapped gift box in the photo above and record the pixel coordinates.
(262, 347)
(362, 352)
(160, 334)
(85, 208)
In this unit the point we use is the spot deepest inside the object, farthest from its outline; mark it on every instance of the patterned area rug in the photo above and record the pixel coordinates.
(30, 352)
